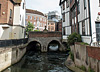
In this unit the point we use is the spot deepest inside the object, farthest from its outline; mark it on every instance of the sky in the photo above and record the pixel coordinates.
(43, 5)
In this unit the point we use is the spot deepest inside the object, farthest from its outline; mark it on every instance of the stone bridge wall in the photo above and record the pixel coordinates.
(44, 34)
(44, 38)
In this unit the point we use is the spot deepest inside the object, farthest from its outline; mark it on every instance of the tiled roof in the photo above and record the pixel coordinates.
(34, 12)
(17, 1)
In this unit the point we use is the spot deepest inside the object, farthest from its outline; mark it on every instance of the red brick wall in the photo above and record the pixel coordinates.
(93, 52)
(6, 5)
(44, 34)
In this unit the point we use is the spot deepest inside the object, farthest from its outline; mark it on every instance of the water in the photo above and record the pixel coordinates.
(40, 62)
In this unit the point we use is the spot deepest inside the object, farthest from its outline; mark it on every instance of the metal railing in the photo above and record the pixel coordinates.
(13, 42)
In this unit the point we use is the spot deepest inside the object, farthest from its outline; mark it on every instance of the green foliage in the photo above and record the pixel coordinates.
(71, 56)
(83, 68)
(37, 30)
(82, 43)
(29, 27)
(74, 37)
(90, 70)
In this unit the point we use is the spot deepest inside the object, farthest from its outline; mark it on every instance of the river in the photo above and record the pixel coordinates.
(40, 62)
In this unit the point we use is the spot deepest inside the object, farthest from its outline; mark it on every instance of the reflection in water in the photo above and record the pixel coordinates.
(53, 47)
(40, 62)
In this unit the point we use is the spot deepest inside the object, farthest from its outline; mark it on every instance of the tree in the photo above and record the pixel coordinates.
(74, 37)
(29, 27)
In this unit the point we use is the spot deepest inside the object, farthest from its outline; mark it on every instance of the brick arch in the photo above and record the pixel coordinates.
(56, 41)
(29, 46)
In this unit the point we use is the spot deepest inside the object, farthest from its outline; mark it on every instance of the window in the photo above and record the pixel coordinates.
(26, 17)
(23, 5)
(34, 18)
(67, 4)
(64, 17)
(49, 28)
(83, 27)
(34, 23)
(99, 2)
(84, 4)
(52, 23)
(20, 17)
(63, 6)
(52, 28)
(78, 6)
(38, 18)
(10, 13)
(30, 17)
(0, 9)
(64, 31)
(98, 31)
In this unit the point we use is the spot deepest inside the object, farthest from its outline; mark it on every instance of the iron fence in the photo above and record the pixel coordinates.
(13, 42)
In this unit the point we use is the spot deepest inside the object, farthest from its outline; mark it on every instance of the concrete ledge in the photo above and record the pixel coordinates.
(70, 64)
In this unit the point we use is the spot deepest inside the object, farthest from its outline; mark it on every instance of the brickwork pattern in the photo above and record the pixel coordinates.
(93, 52)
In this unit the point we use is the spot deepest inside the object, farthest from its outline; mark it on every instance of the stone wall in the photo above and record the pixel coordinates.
(44, 41)
(44, 34)
(11, 56)
(86, 56)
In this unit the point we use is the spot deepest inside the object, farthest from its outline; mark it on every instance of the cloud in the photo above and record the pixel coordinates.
(43, 5)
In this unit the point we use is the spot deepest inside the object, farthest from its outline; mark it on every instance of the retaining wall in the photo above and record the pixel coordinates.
(86, 56)
(11, 56)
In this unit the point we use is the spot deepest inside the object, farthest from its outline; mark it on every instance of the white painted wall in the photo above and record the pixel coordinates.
(5, 33)
(66, 24)
(19, 21)
(94, 7)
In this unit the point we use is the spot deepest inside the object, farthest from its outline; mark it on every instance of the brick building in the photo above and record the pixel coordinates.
(51, 25)
(38, 19)
(12, 16)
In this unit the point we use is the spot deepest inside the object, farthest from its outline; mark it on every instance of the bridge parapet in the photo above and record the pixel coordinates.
(44, 34)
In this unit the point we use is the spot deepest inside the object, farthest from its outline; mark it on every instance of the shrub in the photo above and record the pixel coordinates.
(90, 70)
(37, 30)
(74, 37)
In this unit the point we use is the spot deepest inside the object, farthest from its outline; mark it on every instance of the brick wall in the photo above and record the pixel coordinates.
(6, 5)
(44, 34)
(93, 52)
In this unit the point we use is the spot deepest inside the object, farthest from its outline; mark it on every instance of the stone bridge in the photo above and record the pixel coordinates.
(45, 38)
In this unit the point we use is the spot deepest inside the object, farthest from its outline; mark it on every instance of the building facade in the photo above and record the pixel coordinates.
(84, 19)
(38, 19)
(51, 25)
(8, 27)
(65, 11)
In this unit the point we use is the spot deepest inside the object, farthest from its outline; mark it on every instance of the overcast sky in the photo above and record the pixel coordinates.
(43, 5)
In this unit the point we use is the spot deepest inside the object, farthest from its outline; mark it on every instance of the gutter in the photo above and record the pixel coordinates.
(90, 20)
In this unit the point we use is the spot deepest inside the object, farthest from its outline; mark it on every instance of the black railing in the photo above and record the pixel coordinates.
(13, 42)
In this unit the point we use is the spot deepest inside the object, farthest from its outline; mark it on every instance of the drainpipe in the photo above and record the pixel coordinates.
(90, 20)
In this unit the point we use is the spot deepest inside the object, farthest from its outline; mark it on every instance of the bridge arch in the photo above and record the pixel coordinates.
(53, 45)
(34, 46)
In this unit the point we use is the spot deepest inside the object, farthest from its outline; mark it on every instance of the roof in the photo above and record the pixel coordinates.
(17, 1)
(34, 12)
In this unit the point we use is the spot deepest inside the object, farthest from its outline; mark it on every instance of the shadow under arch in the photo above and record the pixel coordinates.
(53, 46)
(34, 46)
